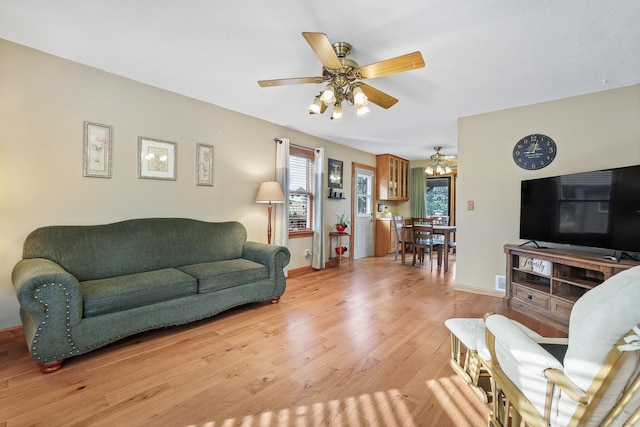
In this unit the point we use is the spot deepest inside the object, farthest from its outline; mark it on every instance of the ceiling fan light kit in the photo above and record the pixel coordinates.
(329, 95)
(438, 165)
(344, 77)
(359, 98)
(362, 111)
(337, 112)
(316, 105)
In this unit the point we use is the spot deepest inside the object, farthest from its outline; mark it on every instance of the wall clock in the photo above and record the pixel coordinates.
(534, 151)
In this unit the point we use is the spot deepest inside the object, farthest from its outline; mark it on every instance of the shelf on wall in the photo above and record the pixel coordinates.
(336, 197)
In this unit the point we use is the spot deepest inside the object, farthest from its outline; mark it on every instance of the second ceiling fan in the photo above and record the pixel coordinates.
(344, 77)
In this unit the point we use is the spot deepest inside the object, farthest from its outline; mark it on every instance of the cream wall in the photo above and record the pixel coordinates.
(594, 131)
(44, 101)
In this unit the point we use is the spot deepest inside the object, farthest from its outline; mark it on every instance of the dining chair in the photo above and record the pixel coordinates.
(443, 220)
(421, 220)
(423, 241)
(440, 219)
(397, 222)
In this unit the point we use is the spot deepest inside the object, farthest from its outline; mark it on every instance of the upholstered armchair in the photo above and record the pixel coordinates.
(589, 379)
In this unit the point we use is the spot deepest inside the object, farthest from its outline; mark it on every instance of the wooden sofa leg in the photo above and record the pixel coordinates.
(47, 368)
(275, 300)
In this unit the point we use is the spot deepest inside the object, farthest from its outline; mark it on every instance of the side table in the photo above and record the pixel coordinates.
(337, 254)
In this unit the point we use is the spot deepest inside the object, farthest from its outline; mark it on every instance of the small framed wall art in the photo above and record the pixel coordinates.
(97, 150)
(204, 164)
(335, 173)
(157, 159)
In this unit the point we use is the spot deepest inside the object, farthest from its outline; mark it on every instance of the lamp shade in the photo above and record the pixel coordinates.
(270, 192)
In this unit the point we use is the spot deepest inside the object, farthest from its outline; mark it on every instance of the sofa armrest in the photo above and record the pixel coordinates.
(31, 277)
(273, 256)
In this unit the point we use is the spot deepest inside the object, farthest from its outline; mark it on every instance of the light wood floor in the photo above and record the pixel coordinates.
(361, 345)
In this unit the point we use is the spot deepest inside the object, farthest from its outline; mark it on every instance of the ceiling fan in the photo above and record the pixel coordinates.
(344, 77)
(440, 164)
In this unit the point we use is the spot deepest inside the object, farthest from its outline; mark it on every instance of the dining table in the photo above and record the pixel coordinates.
(446, 231)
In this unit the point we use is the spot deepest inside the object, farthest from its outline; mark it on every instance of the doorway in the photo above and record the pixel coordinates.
(363, 211)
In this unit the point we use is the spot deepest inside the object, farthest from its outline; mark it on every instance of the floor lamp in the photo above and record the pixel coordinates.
(269, 192)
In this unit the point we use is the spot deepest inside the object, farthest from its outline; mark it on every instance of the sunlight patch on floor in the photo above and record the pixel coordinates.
(449, 395)
(379, 409)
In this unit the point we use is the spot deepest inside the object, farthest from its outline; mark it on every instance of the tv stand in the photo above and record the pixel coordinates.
(627, 255)
(545, 283)
(534, 243)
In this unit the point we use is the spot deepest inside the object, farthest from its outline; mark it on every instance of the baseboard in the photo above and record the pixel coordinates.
(480, 291)
(10, 334)
(300, 271)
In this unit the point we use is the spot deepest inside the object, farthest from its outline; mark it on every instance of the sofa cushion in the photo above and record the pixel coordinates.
(91, 252)
(135, 290)
(225, 274)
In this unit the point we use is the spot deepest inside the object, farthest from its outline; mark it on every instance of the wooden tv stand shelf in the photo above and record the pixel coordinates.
(548, 282)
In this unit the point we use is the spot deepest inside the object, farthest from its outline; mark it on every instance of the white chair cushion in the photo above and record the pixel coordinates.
(598, 320)
(522, 359)
(470, 332)
(483, 351)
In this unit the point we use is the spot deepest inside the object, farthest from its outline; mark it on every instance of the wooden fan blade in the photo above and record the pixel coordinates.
(291, 81)
(321, 45)
(407, 62)
(378, 97)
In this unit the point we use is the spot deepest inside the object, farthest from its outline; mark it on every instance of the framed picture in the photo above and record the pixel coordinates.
(204, 164)
(97, 150)
(335, 173)
(157, 159)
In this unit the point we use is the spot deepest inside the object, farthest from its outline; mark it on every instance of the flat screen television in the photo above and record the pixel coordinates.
(599, 209)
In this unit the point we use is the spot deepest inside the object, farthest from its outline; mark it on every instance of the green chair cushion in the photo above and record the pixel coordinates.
(135, 290)
(225, 274)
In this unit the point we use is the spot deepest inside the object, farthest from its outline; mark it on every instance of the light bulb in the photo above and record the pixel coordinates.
(429, 170)
(314, 108)
(359, 98)
(329, 95)
(337, 112)
(362, 111)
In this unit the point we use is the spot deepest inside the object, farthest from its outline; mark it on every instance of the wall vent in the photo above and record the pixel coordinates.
(501, 283)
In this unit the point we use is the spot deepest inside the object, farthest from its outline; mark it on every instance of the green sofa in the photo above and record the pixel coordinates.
(82, 287)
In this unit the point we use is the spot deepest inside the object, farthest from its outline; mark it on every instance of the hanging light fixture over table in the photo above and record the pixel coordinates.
(438, 164)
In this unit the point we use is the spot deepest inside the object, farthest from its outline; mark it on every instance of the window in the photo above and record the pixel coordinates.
(365, 191)
(300, 191)
(438, 195)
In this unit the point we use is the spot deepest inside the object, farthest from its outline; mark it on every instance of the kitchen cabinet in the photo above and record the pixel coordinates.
(385, 238)
(393, 177)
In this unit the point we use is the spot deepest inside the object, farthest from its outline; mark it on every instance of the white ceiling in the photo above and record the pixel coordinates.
(480, 56)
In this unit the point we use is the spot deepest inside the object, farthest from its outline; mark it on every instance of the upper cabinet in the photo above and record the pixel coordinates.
(393, 177)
